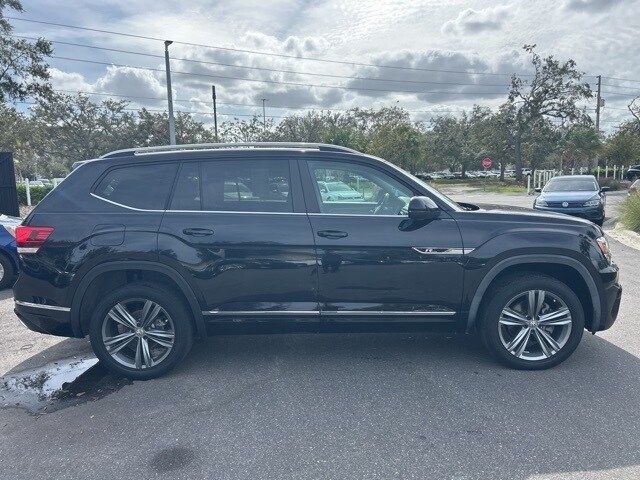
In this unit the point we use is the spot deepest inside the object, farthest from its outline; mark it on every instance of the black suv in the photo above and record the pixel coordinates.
(146, 249)
(633, 173)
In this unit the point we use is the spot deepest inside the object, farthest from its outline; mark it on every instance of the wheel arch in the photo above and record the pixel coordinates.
(118, 273)
(566, 269)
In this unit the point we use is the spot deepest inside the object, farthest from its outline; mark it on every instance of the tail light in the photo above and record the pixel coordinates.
(30, 239)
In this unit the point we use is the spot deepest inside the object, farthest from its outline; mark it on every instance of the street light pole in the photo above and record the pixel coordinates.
(215, 113)
(172, 124)
(598, 103)
(264, 115)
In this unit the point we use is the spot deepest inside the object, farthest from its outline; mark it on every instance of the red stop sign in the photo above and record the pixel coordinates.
(486, 163)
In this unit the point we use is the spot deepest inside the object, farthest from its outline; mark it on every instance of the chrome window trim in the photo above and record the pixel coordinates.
(44, 307)
(123, 205)
(190, 211)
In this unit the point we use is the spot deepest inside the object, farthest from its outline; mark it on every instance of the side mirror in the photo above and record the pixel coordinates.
(538, 190)
(422, 209)
(604, 189)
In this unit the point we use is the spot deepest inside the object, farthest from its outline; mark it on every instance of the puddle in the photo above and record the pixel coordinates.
(59, 385)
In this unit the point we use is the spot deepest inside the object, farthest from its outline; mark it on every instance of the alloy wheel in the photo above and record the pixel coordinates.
(138, 333)
(535, 325)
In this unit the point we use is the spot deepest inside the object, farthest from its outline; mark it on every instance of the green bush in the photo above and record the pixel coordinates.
(37, 193)
(630, 213)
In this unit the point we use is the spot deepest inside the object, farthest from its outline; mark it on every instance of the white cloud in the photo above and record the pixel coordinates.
(129, 81)
(470, 21)
(488, 38)
(68, 80)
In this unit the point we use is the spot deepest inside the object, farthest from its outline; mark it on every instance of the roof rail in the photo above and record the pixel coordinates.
(220, 146)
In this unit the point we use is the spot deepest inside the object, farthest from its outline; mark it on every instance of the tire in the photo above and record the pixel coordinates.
(172, 329)
(7, 272)
(497, 335)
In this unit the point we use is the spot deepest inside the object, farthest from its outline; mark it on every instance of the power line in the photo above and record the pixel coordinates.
(621, 86)
(177, 111)
(621, 79)
(135, 97)
(277, 82)
(265, 69)
(257, 52)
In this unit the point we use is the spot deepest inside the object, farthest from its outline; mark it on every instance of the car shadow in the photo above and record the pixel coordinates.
(392, 405)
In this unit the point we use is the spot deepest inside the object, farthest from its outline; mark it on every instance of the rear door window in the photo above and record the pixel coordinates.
(186, 195)
(139, 186)
(246, 185)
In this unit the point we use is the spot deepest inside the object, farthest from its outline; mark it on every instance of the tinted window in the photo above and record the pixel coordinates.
(186, 195)
(246, 185)
(357, 189)
(139, 186)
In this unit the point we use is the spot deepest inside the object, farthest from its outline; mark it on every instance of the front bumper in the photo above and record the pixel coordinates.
(611, 295)
(45, 319)
(590, 213)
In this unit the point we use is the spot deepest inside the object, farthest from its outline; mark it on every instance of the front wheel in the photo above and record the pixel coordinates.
(532, 322)
(141, 331)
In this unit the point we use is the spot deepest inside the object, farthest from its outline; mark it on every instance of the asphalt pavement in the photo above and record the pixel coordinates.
(340, 407)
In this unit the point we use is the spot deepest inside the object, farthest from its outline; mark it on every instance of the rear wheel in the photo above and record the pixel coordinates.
(141, 331)
(532, 322)
(7, 272)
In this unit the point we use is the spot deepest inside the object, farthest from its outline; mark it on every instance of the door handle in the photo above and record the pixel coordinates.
(332, 234)
(198, 232)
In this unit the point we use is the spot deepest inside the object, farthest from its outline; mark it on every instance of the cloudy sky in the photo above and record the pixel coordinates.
(427, 56)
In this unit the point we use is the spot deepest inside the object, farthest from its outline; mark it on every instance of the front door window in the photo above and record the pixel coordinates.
(348, 188)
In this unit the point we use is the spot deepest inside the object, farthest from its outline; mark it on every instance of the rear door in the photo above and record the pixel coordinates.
(375, 264)
(238, 227)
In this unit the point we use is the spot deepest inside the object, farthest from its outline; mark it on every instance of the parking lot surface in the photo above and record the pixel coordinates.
(340, 406)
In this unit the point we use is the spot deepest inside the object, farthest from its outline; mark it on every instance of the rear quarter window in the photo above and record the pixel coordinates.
(138, 186)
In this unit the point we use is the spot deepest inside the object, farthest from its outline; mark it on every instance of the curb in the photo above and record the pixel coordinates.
(626, 237)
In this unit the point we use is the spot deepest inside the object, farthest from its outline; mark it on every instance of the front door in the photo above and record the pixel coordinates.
(239, 229)
(375, 263)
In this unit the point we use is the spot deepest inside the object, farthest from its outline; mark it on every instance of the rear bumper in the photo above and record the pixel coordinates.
(51, 320)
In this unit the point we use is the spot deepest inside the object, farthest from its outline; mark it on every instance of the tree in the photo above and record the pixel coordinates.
(246, 130)
(553, 91)
(622, 148)
(23, 70)
(579, 146)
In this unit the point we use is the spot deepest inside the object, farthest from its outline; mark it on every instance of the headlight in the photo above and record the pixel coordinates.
(603, 245)
(541, 203)
(594, 202)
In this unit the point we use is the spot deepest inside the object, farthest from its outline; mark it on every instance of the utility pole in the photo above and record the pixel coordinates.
(172, 124)
(264, 115)
(599, 101)
(215, 113)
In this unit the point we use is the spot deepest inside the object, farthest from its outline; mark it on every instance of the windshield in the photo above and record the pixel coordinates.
(571, 185)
